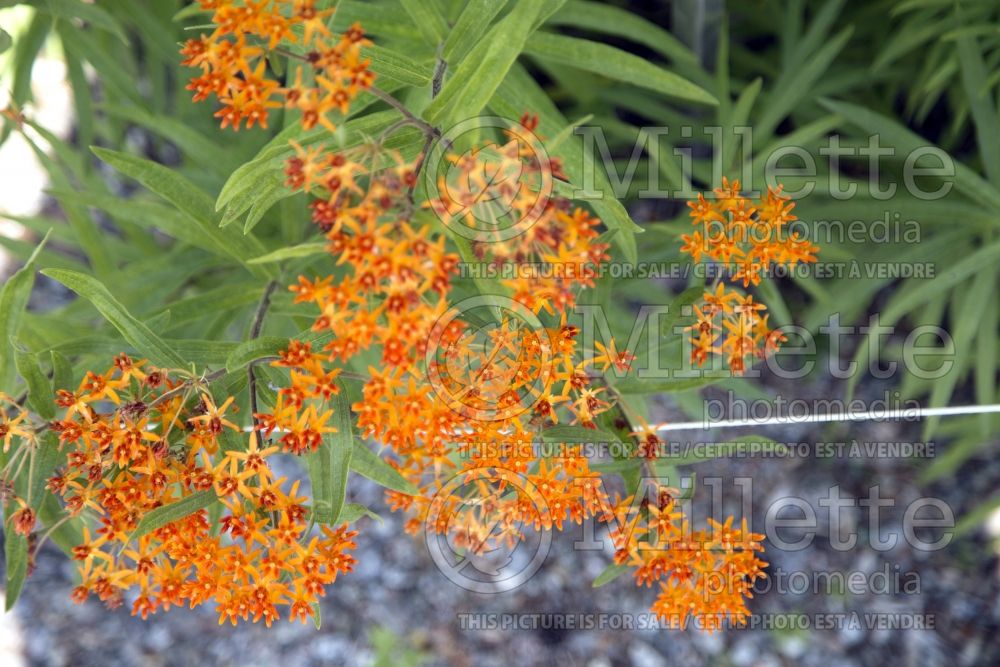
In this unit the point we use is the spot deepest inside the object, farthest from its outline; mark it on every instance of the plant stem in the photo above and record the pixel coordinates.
(425, 127)
(258, 323)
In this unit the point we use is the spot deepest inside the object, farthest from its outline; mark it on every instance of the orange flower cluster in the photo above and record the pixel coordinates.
(750, 236)
(510, 381)
(471, 445)
(15, 424)
(446, 388)
(704, 575)
(148, 466)
(462, 389)
(501, 197)
(233, 61)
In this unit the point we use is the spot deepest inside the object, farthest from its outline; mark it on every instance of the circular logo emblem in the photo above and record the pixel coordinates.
(479, 530)
(489, 358)
(489, 178)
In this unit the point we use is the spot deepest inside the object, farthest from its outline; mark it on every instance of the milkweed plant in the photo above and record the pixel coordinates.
(366, 255)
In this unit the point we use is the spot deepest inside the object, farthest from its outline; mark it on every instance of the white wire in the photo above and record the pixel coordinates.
(870, 415)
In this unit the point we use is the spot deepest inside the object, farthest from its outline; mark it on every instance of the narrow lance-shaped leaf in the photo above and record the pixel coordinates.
(13, 300)
(967, 181)
(292, 252)
(351, 512)
(161, 516)
(76, 9)
(16, 555)
(428, 19)
(984, 113)
(620, 22)
(329, 465)
(62, 371)
(615, 64)
(39, 393)
(469, 28)
(190, 200)
(478, 76)
(368, 464)
(268, 346)
(134, 331)
(610, 573)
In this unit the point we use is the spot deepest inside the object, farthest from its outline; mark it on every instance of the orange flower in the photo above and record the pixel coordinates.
(185, 561)
(233, 62)
(751, 236)
(10, 428)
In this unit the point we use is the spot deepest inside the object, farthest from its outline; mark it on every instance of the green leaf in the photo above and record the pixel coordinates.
(175, 511)
(152, 214)
(135, 332)
(5, 40)
(91, 13)
(291, 252)
(209, 304)
(263, 203)
(192, 144)
(475, 18)
(47, 458)
(967, 181)
(39, 393)
(329, 465)
(186, 197)
(428, 19)
(611, 20)
(117, 74)
(14, 297)
(398, 66)
(976, 294)
(317, 615)
(252, 350)
(62, 372)
(948, 461)
(351, 512)
(906, 301)
(26, 49)
(610, 573)
(479, 75)
(15, 550)
(615, 64)
(984, 113)
(791, 90)
(986, 361)
(368, 464)
(89, 237)
(83, 102)
(618, 466)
